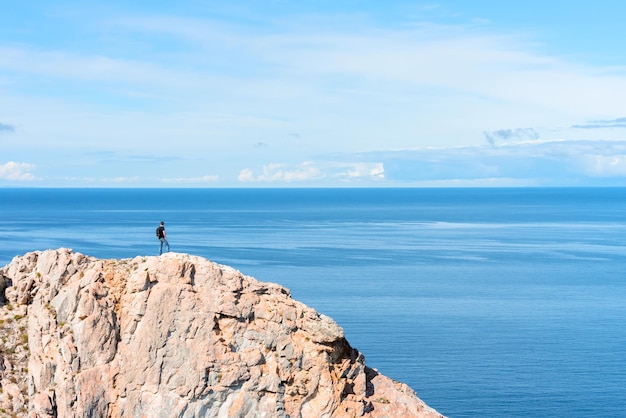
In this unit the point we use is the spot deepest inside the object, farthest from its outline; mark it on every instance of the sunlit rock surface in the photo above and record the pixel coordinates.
(175, 336)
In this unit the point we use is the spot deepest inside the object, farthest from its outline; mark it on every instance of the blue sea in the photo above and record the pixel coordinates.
(487, 302)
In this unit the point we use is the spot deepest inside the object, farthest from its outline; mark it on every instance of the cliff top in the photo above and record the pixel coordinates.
(175, 336)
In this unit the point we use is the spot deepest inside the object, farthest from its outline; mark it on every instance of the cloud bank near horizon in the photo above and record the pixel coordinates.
(515, 163)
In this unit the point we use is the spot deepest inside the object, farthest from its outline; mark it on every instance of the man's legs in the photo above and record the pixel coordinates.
(163, 241)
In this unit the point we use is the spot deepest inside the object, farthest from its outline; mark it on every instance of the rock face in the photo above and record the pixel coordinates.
(175, 336)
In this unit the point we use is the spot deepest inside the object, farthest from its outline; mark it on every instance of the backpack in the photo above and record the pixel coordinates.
(159, 232)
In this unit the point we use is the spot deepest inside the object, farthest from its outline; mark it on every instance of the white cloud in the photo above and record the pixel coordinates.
(366, 170)
(17, 171)
(315, 171)
(246, 175)
(282, 173)
(605, 165)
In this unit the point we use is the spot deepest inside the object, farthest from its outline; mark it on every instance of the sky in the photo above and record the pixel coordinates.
(312, 93)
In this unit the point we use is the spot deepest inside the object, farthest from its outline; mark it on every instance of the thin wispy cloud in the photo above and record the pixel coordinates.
(510, 134)
(83, 67)
(603, 124)
(6, 128)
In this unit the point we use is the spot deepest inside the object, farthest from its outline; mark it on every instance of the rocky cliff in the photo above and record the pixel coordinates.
(175, 336)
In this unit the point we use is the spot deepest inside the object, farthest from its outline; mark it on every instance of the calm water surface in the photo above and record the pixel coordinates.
(487, 302)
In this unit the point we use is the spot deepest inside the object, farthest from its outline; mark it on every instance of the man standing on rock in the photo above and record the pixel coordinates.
(162, 236)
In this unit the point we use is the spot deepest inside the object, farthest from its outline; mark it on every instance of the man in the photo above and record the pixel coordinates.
(162, 236)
